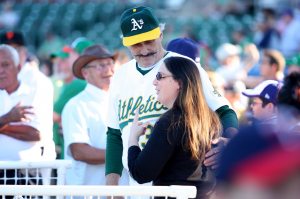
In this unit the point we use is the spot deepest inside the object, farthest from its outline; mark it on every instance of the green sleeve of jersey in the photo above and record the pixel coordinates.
(228, 118)
(114, 150)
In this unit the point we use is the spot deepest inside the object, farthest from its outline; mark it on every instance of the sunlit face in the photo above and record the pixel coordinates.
(266, 69)
(147, 53)
(167, 88)
(99, 72)
(64, 66)
(259, 112)
(8, 72)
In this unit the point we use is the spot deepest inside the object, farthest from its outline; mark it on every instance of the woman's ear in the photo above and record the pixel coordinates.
(179, 84)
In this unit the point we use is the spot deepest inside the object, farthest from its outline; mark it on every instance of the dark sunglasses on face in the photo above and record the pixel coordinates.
(159, 76)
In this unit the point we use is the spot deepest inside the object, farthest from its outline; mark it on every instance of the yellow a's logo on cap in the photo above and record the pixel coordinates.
(137, 24)
(134, 10)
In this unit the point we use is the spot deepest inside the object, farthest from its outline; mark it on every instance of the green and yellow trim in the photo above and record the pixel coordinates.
(150, 35)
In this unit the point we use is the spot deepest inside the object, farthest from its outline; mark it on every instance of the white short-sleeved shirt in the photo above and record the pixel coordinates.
(43, 92)
(130, 89)
(84, 121)
(11, 148)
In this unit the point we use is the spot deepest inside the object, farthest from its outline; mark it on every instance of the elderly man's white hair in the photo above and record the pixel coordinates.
(13, 53)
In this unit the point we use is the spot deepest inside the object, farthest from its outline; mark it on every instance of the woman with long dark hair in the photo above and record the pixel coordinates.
(175, 151)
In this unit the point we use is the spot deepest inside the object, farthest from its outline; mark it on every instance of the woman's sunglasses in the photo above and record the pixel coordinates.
(159, 76)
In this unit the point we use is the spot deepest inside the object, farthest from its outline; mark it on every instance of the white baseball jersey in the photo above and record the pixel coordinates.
(131, 90)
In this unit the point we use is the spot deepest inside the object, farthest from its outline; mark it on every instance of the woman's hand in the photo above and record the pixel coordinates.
(137, 129)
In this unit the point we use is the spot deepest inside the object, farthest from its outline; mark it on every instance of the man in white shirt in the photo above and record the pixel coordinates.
(20, 123)
(40, 86)
(84, 118)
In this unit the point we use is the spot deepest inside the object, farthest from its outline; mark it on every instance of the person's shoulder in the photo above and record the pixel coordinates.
(3, 96)
(125, 69)
(43, 77)
(79, 81)
(3, 92)
(75, 101)
(80, 96)
(130, 64)
(77, 84)
(171, 123)
(170, 116)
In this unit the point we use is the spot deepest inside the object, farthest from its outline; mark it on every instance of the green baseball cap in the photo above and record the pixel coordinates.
(139, 24)
(295, 60)
(63, 53)
(80, 44)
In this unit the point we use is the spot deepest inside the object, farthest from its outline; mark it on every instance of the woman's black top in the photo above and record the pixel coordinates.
(165, 161)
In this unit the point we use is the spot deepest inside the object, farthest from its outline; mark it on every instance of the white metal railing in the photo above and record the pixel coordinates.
(19, 191)
(36, 170)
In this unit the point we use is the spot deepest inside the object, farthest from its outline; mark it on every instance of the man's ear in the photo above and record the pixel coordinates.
(19, 67)
(161, 36)
(270, 106)
(84, 72)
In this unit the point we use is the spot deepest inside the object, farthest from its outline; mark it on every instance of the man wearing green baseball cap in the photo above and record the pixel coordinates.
(65, 84)
(143, 37)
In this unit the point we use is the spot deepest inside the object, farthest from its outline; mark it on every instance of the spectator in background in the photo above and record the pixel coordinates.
(289, 104)
(84, 118)
(271, 68)
(232, 67)
(46, 68)
(265, 35)
(239, 38)
(264, 102)
(233, 93)
(50, 43)
(71, 86)
(199, 52)
(8, 17)
(185, 46)
(40, 85)
(289, 27)
(21, 129)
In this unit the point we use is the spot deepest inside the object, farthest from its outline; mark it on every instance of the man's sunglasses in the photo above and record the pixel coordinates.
(159, 76)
